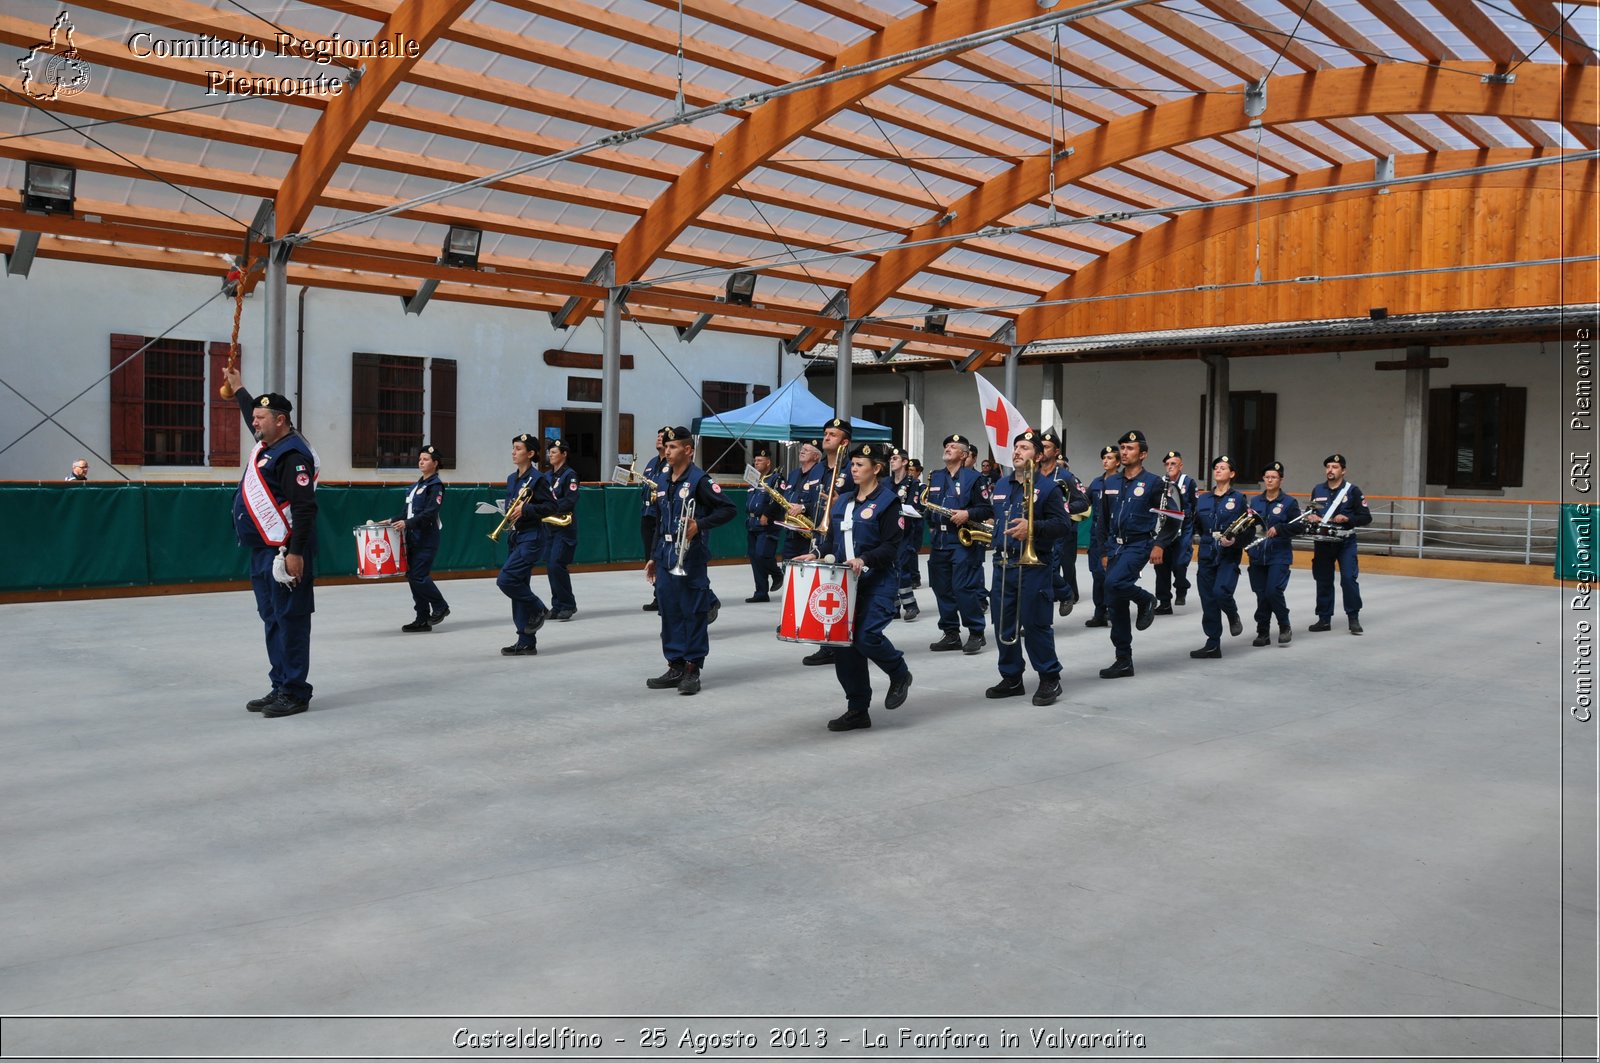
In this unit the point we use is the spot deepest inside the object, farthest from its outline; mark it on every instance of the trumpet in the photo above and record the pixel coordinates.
(505, 521)
(1236, 531)
(801, 524)
(972, 533)
(682, 542)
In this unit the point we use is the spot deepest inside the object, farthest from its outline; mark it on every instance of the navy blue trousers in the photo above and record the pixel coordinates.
(1028, 591)
(514, 583)
(557, 557)
(1323, 558)
(1269, 582)
(1064, 566)
(875, 607)
(286, 616)
(1216, 578)
(1173, 572)
(956, 576)
(906, 562)
(1097, 577)
(425, 594)
(762, 549)
(1123, 590)
(685, 601)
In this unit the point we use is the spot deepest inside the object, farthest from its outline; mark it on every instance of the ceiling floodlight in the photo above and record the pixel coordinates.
(741, 289)
(461, 247)
(48, 188)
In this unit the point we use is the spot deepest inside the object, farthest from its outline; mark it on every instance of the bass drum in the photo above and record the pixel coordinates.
(818, 607)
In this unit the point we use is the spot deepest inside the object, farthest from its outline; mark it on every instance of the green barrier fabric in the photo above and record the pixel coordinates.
(72, 535)
(189, 533)
(1575, 557)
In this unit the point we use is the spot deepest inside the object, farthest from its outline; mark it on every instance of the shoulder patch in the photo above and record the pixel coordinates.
(716, 488)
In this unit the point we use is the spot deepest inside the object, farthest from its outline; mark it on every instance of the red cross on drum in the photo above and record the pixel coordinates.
(818, 607)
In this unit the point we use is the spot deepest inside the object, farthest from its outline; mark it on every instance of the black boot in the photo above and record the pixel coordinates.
(1010, 686)
(690, 683)
(850, 721)
(824, 655)
(1355, 625)
(1120, 668)
(975, 643)
(667, 680)
(1097, 620)
(897, 692)
(950, 641)
(1049, 690)
(1322, 624)
(419, 624)
(1206, 652)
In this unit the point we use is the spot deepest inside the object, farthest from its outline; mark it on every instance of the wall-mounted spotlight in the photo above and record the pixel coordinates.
(461, 247)
(48, 188)
(741, 289)
(938, 317)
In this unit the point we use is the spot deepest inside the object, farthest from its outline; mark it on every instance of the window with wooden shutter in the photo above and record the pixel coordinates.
(127, 400)
(1252, 432)
(386, 410)
(442, 408)
(363, 411)
(225, 418)
(1476, 433)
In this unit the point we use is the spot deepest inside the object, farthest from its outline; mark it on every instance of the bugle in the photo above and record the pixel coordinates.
(505, 521)
(682, 541)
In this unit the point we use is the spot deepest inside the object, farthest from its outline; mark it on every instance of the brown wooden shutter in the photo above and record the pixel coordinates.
(363, 411)
(624, 440)
(127, 400)
(1513, 435)
(442, 419)
(225, 415)
(1268, 430)
(1441, 436)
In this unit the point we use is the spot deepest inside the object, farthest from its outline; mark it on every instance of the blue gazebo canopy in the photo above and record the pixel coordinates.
(789, 413)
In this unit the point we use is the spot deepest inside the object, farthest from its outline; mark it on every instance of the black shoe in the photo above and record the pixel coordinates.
(1321, 625)
(1355, 626)
(1065, 608)
(284, 706)
(1285, 635)
(757, 598)
(1163, 609)
(850, 721)
(440, 615)
(1261, 639)
(1235, 625)
(711, 616)
(1010, 686)
(651, 606)
(418, 624)
(1097, 621)
(667, 680)
(911, 612)
(950, 641)
(1147, 615)
(534, 623)
(1049, 690)
(1205, 652)
(690, 683)
(975, 643)
(897, 693)
(563, 615)
(777, 583)
(1180, 598)
(1119, 669)
(824, 655)
(260, 703)
(519, 650)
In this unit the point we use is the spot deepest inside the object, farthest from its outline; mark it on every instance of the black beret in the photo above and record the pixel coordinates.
(1171, 454)
(915, 464)
(1223, 460)
(430, 450)
(871, 451)
(1049, 435)
(526, 439)
(1108, 451)
(1276, 467)
(1028, 435)
(1331, 458)
(275, 402)
(839, 423)
(676, 434)
(557, 444)
(957, 438)
(1134, 436)
(817, 443)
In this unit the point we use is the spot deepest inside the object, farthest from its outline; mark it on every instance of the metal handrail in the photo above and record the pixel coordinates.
(1409, 525)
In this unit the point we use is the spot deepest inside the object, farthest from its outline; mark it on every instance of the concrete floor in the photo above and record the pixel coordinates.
(1341, 827)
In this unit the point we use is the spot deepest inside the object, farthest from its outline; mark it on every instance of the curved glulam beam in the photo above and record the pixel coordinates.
(1541, 91)
(1111, 273)
(778, 122)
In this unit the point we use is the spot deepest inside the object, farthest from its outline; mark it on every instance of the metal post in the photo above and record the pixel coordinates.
(611, 378)
(1527, 542)
(842, 365)
(277, 298)
(916, 399)
(1011, 375)
(1414, 433)
(1052, 400)
(1422, 516)
(1217, 428)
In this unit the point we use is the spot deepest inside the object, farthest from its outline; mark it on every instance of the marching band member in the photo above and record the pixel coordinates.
(1271, 557)
(1023, 593)
(909, 490)
(686, 600)
(524, 548)
(761, 532)
(1338, 502)
(1130, 501)
(421, 524)
(1109, 463)
(915, 526)
(1218, 573)
(1173, 572)
(864, 532)
(563, 541)
(275, 517)
(652, 473)
(1064, 555)
(955, 572)
(834, 481)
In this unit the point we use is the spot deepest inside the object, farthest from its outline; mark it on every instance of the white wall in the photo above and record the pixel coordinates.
(54, 340)
(1326, 403)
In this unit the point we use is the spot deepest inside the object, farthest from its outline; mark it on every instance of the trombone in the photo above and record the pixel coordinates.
(1029, 558)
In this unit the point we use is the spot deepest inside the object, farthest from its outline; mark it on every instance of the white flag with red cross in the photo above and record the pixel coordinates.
(1000, 420)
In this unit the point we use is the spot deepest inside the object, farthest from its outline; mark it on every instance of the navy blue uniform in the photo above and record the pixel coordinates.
(955, 572)
(761, 539)
(909, 491)
(524, 549)
(423, 502)
(1064, 551)
(1218, 574)
(647, 511)
(1097, 545)
(1173, 572)
(870, 529)
(1270, 559)
(562, 543)
(1327, 552)
(1129, 515)
(686, 600)
(288, 468)
(1028, 590)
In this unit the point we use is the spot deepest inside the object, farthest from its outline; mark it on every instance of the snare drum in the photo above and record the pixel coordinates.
(818, 607)
(380, 551)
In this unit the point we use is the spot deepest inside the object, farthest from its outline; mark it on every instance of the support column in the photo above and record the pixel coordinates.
(916, 400)
(1414, 434)
(1218, 426)
(276, 317)
(1052, 399)
(843, 368)
(611, 377)
(1011, 374)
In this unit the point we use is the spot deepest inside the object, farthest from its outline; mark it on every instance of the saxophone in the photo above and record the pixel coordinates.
(972, 533)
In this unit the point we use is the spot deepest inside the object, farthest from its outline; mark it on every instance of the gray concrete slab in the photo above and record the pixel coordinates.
(1343, 826)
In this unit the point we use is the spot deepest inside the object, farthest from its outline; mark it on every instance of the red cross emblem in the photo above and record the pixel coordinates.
(998, 423)
(378, 550)
(827, 604)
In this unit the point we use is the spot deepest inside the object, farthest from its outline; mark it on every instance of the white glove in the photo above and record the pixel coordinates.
(280, 569)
